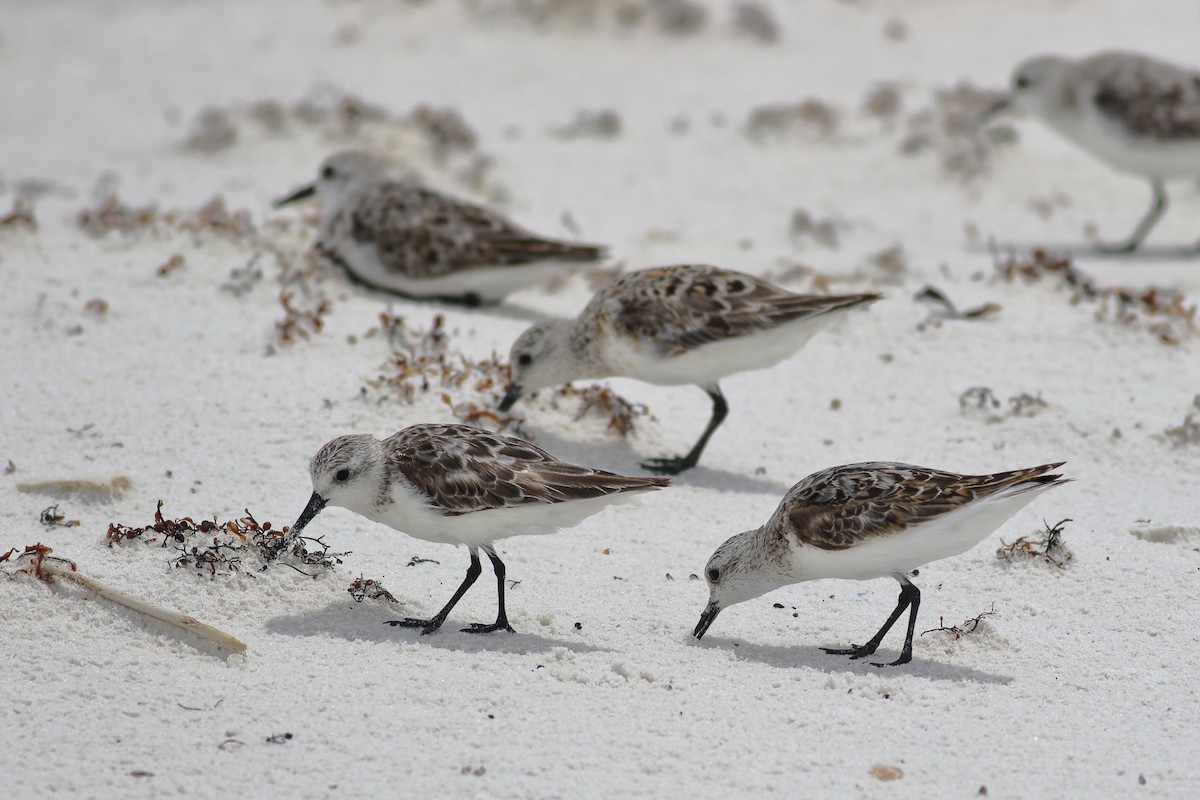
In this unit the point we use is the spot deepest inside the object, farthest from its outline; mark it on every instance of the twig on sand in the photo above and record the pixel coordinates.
(46, 569)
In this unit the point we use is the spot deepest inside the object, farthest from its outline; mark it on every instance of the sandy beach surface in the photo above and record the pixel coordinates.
(168, 336)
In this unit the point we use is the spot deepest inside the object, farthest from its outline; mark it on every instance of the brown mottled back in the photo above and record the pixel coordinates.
(840, 507)
(684, 307)
(1148, 97)
(422, 233)
(463, 469)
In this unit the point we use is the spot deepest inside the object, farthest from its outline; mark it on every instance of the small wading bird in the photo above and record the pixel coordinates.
(674, 326)
(456, 484)
(1136, 114)
(863, 521)
(394, 235)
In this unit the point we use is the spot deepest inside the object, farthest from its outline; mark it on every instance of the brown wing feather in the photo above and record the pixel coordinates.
(423, 233)
(1148, 97)
(838, 508)
(685, 307)
(463, 469)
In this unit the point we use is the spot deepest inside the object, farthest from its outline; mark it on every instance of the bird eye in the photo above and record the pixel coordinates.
(1022, 82)
(524, 359)
(342, 475)
(327, 173)
(714, 574)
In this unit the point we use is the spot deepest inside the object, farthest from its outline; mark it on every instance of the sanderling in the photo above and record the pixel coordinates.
(863, 521)
(1139, 115)
(455, 484)
(673, 326)
(392, 234)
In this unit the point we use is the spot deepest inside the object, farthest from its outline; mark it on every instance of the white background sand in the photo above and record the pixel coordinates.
(1082, 685)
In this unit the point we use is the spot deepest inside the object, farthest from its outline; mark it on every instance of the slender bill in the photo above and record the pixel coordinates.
(706, 619)
(511, 396)
(315, 504)
(303, 193)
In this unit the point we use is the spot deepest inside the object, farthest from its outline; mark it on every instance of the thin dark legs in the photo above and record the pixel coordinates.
(473, 572)
(673, 465)
(501, 623)
(1157, 207)
(910, 598)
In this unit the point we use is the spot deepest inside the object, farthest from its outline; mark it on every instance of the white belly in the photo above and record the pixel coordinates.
(490, 283)
(1147, 156)
(710, 362)
(410, 515)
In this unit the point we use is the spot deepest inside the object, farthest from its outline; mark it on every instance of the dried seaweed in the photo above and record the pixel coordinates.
(445, 129)
(1166, 313)
(601, 401)
(587, 124)
(774, 121)
(110, 214)
(51, 518)
(224, 548)
(670, 17)
(951, 128)
(300, 323)
(113, 215)
(967, 626)
(1187, 432)
(212, 130)
(368, 589)
(981, 400)
(1046, 545)
(822, 231)
(944, 309)
(421, 361)
(21, 214)
(756, 21)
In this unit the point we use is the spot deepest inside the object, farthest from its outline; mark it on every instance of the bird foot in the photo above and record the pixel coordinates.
(855, 652)
(670, 465)
(903, 659)
(480, 627)
(427, 626)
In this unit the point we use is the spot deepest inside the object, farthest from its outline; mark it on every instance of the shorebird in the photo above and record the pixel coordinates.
(674, 326)
(864, 521)
(392, 234)
(455, 484)
(1135, 113)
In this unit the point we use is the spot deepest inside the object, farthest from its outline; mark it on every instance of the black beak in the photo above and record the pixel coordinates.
(303, 193)
(511, 396)
(315, 504)
(995, 110)
(706, 619)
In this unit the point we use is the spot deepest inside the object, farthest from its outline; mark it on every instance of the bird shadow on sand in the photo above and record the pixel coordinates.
(817, 659)
(1002, 251)
(619, 456)
(368, 624)
(504, 310)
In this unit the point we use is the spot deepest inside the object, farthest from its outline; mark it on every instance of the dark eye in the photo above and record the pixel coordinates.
(714, 574)
(524, 359)
(1022, 82)
(328, 173)
(342, 475)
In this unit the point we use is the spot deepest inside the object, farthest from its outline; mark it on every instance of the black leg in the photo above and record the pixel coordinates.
(431, 625)
(673, 465)
(1157, 207)
(501, 623)
(910, 598)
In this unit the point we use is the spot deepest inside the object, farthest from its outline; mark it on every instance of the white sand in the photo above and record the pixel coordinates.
(1083, 684)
